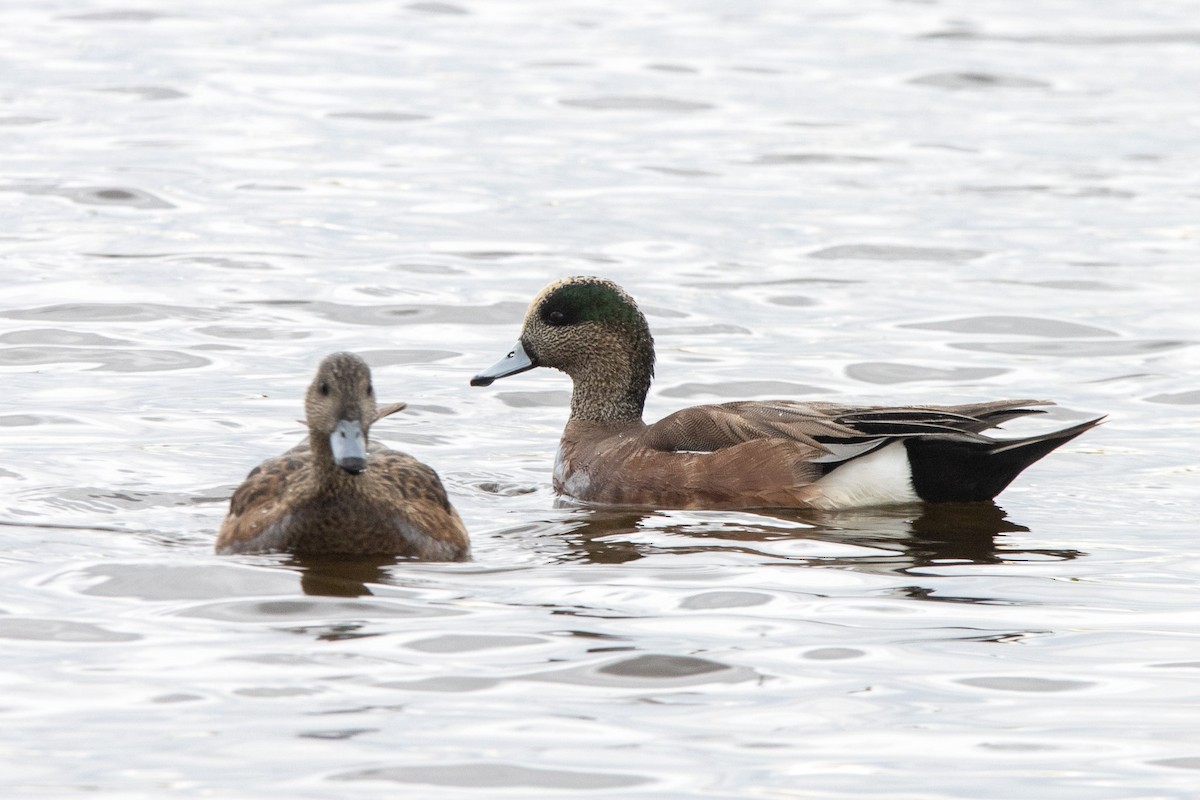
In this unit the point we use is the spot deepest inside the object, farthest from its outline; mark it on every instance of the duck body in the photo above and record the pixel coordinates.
(338, 494)
(663, 465)
(396, 506)
(750, 454)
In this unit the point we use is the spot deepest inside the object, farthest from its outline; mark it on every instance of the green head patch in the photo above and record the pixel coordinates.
(588, 299)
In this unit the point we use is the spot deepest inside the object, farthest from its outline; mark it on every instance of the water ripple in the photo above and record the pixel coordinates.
(105, 360)
(888, 252)
(665, 104)
(496, 776)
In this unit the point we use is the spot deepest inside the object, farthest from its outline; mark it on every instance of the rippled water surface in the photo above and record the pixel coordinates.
(874, 201)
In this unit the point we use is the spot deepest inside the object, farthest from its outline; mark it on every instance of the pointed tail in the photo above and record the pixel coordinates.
(953, 470)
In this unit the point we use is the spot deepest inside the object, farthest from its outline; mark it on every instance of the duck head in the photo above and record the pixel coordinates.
(339, 409)
(591, 329)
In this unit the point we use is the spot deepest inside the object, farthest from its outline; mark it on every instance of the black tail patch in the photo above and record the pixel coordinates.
(951, 469)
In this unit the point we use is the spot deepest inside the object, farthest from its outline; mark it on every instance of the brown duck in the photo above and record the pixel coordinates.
(747, 454)
(334, 495)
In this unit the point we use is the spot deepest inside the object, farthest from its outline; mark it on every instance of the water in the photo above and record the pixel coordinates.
(884, 201)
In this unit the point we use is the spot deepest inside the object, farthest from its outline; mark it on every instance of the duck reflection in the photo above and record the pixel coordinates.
(341, 576)
(893, 539)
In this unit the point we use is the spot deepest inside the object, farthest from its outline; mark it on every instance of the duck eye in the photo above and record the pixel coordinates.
(556, 317)
(370, 390)
(325, 389)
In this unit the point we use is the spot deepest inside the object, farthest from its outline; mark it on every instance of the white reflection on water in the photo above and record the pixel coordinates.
(896, 202)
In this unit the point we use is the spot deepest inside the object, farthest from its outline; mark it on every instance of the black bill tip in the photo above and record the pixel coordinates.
(353, 465)
(517, 360)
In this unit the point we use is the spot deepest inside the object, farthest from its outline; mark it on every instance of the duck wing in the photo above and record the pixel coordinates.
(912, 420)
(713, 427)
(260, 503)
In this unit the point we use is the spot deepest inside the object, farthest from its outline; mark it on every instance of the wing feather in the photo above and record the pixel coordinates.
(713, 427)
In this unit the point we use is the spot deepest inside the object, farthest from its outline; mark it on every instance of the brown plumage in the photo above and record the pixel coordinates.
(338, 494)
(746, 454)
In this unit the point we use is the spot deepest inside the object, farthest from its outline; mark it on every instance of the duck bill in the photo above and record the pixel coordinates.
(349, 444)
(516, 361)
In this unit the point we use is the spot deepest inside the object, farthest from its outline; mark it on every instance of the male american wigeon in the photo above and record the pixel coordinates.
(746, 454)
(335, 495)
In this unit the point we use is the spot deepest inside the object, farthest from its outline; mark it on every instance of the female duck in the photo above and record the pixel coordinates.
(334, 495)
(746, 454)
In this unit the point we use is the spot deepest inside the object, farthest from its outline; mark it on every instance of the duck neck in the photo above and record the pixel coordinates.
(612, 389)
(326, 469)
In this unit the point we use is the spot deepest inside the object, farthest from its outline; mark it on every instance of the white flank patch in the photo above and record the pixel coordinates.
(560, 468)
(575, 485)
(880, 478)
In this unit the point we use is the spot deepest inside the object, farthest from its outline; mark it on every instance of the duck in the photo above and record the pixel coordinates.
(747, 454)
(338, 493)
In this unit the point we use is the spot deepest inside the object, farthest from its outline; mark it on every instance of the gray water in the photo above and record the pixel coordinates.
(883, 202)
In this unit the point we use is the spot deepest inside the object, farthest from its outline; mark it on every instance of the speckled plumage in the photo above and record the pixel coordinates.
(303, 502)
(746, 454)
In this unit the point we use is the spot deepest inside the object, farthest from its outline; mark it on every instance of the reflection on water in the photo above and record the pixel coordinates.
(883, 540)
(340, 577)
(905, 538)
